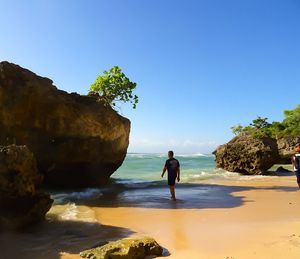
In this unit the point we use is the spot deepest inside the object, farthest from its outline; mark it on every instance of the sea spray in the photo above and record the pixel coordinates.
(65, 207)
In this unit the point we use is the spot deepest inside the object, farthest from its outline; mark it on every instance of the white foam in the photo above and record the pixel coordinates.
(197, 175)
(239, 177)
(136, 155)
(193, 155)
(144, 155)
(87, 193)
(70, 213)
(131, 181)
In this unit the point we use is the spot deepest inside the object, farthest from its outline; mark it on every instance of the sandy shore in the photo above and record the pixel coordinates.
(238, 219)
(266, 224)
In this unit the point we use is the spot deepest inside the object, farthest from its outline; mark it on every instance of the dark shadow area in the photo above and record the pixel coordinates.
(153, 195)
(282, 188)
(284, 173)
(189, 196)
(281, 171)
(48, 239)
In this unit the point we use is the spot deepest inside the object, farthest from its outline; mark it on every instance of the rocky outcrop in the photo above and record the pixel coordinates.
(77, 141)
(21, 201)
(126, 248)
(247, 155)
(286, 148)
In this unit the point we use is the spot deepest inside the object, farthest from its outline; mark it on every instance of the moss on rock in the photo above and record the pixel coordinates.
(127, 248)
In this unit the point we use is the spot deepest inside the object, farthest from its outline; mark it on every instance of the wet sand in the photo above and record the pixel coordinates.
(215, 219)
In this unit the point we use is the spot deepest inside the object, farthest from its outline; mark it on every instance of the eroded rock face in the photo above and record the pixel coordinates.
(126, 248)
(247, 155)
(21, 201)
(286, 148)
(77, 141)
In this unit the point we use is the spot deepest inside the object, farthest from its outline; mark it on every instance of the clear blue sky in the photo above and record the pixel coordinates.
(200, 66)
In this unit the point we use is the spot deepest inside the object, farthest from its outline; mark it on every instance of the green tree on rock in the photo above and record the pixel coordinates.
(236, 130)
(291, 122)
(113, 86)
(259, 127)
(260, 123)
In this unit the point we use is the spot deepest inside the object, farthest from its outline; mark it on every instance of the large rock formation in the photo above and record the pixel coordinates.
(21, 201)
(286, 148)
(126, 248)
(76, 140)
(247, 155)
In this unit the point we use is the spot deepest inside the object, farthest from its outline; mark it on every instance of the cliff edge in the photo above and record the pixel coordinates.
(77, 141)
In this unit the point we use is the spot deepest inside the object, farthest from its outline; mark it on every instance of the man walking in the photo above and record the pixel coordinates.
(173, 167)
(296, 164)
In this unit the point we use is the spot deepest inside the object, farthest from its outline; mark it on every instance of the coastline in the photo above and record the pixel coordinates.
(265, 225)
(257, 218)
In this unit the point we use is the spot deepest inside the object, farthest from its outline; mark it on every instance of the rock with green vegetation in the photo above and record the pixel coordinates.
(21, 200)
(286, 148)
(113, 86)
(261, 144)
(76, 140)
(260, 127)
(127, 248)
(247, 154)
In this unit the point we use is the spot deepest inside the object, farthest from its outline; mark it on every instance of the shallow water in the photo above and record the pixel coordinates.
(72, 224)
(138, 183)
(138, 168)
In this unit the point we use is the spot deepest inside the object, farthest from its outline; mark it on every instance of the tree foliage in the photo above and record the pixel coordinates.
(260, 123)
(113, 86)
(236, 130)
(291, 123)
(260, 126)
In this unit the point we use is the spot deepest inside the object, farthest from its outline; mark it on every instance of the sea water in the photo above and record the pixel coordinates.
(74, 220)
(144, 170)
(148, 168)
(138, 182)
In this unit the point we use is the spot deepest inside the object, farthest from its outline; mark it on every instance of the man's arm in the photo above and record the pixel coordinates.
(163, 172)
(178, 174)
(293, 161)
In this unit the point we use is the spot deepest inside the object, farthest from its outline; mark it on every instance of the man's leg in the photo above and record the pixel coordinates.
(172, 191)
(298, 177)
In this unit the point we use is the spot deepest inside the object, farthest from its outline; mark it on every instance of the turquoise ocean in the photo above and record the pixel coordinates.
(138, 183)
(74, 220)
(139, 168)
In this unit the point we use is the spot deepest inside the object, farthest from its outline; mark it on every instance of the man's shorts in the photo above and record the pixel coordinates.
(171, 180)
(297, 172)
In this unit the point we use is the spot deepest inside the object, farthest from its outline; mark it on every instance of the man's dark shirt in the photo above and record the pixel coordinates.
(172, 166)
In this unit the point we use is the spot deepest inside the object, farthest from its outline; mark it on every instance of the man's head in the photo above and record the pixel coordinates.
(170, 154)
(297, 150)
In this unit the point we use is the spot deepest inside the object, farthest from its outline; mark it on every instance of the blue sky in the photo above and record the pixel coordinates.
(201, 66)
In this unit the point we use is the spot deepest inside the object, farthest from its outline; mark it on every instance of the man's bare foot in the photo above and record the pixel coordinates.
(173, 198)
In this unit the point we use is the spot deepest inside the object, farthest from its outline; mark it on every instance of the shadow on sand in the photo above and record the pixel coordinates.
(189, 196)
(49, 238)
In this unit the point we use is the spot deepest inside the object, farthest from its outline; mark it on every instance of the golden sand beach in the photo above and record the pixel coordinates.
(265, 225)
(241, 219)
